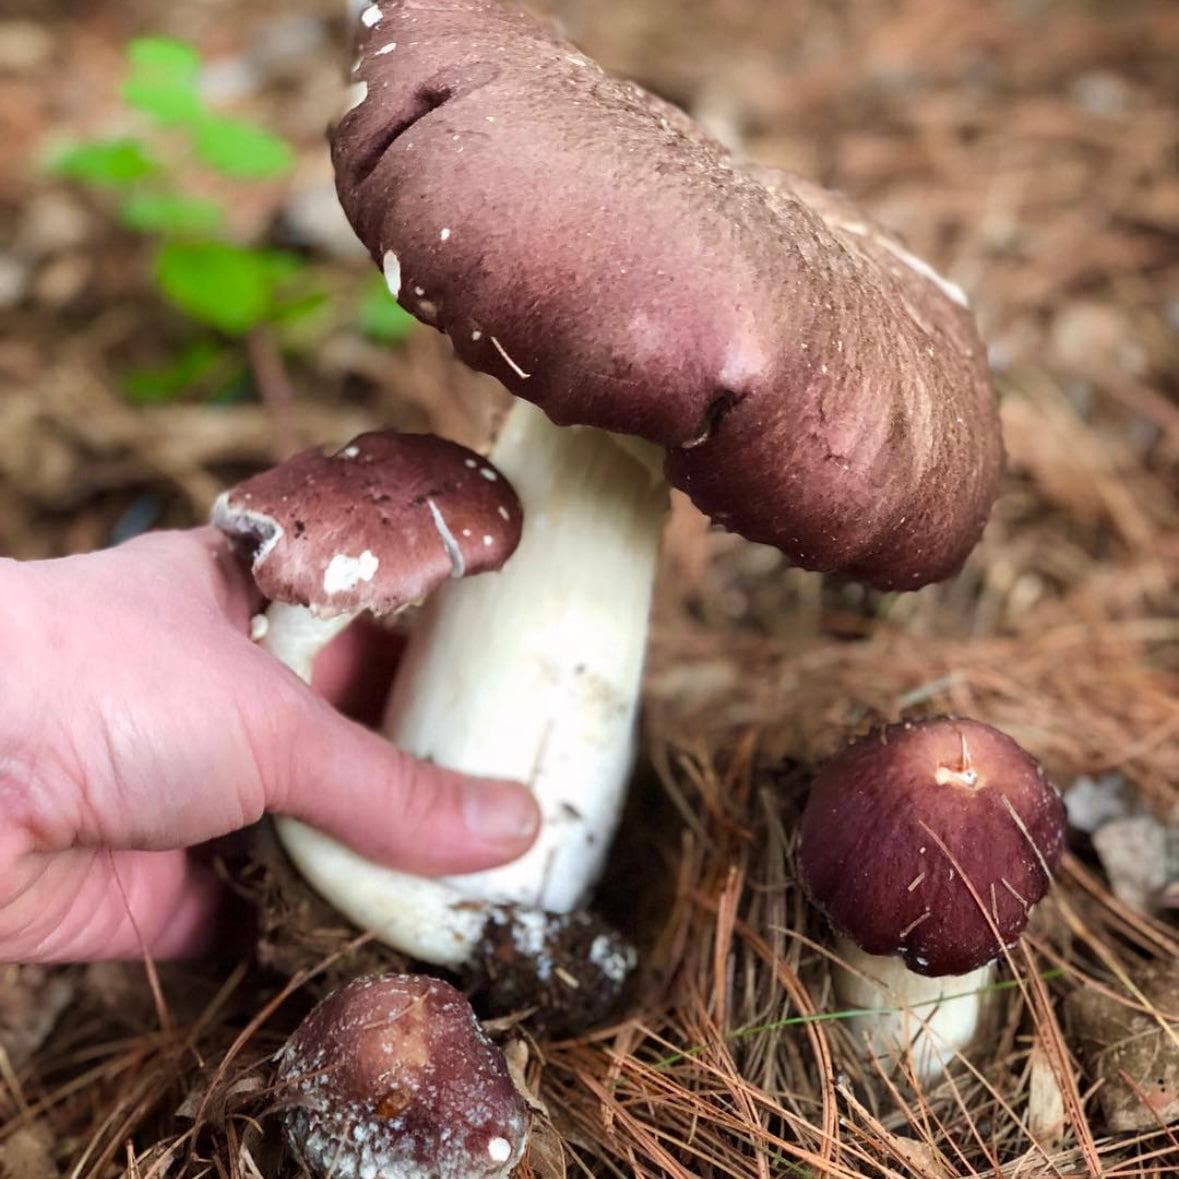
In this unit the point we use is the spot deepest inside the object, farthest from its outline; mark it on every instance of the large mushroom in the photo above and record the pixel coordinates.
(760, 344)
(926, 845)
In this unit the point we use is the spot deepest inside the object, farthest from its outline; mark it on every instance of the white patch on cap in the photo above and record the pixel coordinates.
(458, 565)
(345, 573)
(391, 265)
(259, 627)
(445, 234)
(419, 291)
(350, 452)
(499, 1150)
(371, 16)
(385, 49)
(470, 464)
(488, 474)
(357, 93)
(488, 541)
(504, 512)
(509, 361)
(476, 335)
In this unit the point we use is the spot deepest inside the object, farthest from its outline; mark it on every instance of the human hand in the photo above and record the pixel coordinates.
(137, 720)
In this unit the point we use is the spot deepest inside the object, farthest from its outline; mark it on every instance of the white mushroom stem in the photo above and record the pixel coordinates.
(910, 1017)
(531, 673)
(534, 673)
(296, 636)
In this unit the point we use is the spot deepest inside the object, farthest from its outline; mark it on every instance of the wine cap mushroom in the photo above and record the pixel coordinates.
(375, 525)
(931, 841)
(816, 387)
(391, 1077)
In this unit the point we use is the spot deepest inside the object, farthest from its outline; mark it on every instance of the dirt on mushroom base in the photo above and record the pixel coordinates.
(998, 143)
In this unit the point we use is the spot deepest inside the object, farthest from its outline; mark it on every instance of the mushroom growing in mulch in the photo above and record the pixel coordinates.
(377, 526)
(391, 1077)
(926, 846)
(729, 330)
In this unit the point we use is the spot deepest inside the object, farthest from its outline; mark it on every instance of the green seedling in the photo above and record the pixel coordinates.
(228, 288)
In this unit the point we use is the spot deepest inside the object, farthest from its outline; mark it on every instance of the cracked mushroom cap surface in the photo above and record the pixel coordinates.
(376, 525)
(931, 841)
(815, 385)
(391, 1077)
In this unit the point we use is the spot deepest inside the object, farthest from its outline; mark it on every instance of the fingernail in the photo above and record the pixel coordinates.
(499, 813)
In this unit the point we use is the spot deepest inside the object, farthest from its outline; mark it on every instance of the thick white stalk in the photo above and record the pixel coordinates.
(295, 636)
(927, 1020)
(534, 673)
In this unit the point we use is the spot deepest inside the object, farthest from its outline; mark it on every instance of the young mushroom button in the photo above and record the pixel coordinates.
(391, 1077)
(926, 845)
(377, 525)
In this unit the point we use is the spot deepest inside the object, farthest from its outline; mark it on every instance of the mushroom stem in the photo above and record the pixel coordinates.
(909, 1016)
(534, 674)
(295, 635)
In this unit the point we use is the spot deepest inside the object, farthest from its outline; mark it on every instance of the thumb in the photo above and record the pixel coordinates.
(352, 784)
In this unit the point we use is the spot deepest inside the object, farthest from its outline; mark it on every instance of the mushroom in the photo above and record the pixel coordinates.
(926, 845)
(391, 1077)
(764, 347)
(376, 527)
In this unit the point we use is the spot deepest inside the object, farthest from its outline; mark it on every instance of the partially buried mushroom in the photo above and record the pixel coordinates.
(391, 1077)
(926, 845)
(736, 332)
(376, 526)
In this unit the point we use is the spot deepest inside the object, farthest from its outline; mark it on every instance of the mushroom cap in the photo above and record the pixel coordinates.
(392, 1077)
(816, 387)
(910, 832)
(377, 525)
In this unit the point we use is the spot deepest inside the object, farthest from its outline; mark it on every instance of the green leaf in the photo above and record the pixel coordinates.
(170, 214)
(240, 150)
(114, 162)
(166, 382)
(300, 308)
(226, 287)
(381, 317)
(164, 80)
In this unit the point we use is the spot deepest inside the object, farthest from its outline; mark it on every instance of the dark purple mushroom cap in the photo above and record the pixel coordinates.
(895, 822)
(376, 525)
(392, 1077)
(816, 387)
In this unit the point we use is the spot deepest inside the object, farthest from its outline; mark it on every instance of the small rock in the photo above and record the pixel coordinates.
(1133, 1056)
(1133, 853)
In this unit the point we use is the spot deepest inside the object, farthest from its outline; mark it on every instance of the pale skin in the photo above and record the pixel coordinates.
(138, 720)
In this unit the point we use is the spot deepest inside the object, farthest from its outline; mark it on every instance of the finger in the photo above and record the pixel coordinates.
(352, 784)
(88, 906)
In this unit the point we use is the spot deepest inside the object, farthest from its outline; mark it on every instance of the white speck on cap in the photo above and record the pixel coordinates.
(488, 474)
(419, 291)
(350, 452)
(471, 464)
(476, 335)
(391, 265)
(504, 512)
(488, 541)
(371, 16)
(357, 93)
(345, 573)
(499, 1150)
(445, 234)
(386, 49)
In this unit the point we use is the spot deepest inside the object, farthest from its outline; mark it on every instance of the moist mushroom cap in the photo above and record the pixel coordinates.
(392, 1076)
(913, 831)
(816, 386)
(377, 525)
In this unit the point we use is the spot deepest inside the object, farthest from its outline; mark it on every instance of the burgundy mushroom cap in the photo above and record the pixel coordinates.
(392, 1077)
(816, 387)
(377, 525)
(931, 841)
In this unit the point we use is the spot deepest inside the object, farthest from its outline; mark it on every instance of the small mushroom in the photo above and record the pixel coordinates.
(926, 845)
(377, 526)
(729, 330)
(391, 1077)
